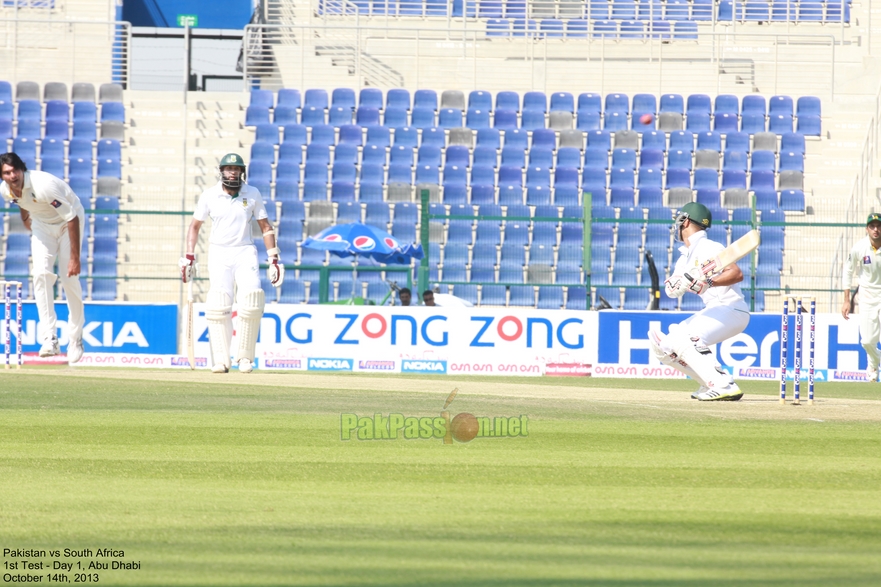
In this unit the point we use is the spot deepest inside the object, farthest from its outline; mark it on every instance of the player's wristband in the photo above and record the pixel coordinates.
(274, 251)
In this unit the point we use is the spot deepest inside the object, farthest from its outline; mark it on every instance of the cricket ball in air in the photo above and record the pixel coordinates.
(646, 119)
(464, 427)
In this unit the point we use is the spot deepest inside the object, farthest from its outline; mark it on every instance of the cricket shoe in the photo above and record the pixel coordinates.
(729, 393)
(245, 366)
(220, 368)
(872, 375)
(704, 388)
(75, 351)
(50, 348)
(699, 391)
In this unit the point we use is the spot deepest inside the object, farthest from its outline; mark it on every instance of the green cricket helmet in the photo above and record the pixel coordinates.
(697, 213)
(231, 180)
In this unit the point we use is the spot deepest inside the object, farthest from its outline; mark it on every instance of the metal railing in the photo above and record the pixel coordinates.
(44, 50)
(457, 14)
(717, 63)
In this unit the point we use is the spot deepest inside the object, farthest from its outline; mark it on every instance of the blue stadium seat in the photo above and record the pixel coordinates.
(780, 123)
(615, 121)
(707, 179)
(754, 122)
(398, 98)
(761, 179)
(792, 200)
(698, 104)
(808, 125)
(654, 139)
(312, 116)
(763, 160)
(295, 134)
(433, 136)
(477, 119)
(285, 115)
(316, 98)
(109, 168)
(264, 98)
(731, 179)
(343, 98)
(479, 99)
(792, 143)
(621, 177)
(396, 117)
(709, 141)
(289, 98)
(425, 99)
(682, 140)
(766, 199)
(726, 103)
(737, 141)
(116, 111)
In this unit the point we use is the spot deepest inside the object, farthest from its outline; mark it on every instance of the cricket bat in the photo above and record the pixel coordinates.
(732, 254)
(191, 348)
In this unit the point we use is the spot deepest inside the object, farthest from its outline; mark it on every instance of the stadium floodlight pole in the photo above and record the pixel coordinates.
(422, 278)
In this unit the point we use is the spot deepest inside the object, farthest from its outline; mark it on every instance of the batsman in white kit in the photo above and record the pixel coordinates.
(687, 346)
(232, 263)
(55, 217)
(863, 260)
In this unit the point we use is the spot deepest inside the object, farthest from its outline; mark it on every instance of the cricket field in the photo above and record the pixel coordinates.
(148, 477)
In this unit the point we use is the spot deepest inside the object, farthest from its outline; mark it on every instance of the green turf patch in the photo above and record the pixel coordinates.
(237, 484)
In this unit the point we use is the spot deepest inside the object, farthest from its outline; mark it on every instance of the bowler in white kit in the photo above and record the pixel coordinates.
(232, 263)
(864, 263)
(55, 217)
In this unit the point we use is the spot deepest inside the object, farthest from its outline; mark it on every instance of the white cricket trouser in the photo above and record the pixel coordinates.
(715, 324)
(229, 267)
(870, 330)
(51, 242)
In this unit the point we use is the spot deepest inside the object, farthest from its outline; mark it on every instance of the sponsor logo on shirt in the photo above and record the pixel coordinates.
(244, 202)
(54, 203)
(867, 260)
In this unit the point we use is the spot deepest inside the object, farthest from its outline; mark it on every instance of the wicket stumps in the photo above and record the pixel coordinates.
(797, 350)
(7, 326)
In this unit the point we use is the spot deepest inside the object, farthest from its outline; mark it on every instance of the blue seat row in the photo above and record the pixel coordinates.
(262, 101)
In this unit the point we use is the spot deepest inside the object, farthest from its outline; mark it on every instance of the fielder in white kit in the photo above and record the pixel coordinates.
(863, 261)
(232, 263)
(55, 217)
(725, 314)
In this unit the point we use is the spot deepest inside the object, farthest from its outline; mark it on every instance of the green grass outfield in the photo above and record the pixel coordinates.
(243, 480)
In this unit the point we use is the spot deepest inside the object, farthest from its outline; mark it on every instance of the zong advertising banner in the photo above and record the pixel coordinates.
(421, 340)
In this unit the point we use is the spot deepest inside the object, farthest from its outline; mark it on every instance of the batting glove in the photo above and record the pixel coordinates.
(675, 286)
(699, 284)
(187, 265)
(275, 272)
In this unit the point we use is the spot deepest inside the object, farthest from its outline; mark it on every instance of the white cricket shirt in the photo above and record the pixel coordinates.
(703, 249)
(865, 261)
(230, 216)
(47, 198)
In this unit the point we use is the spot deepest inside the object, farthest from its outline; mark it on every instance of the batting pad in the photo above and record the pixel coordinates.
(218, 313)
(250, 312)
(698, 357)
(656, 338)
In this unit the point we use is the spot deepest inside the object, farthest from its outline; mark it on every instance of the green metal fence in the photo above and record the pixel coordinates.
(814, 252)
